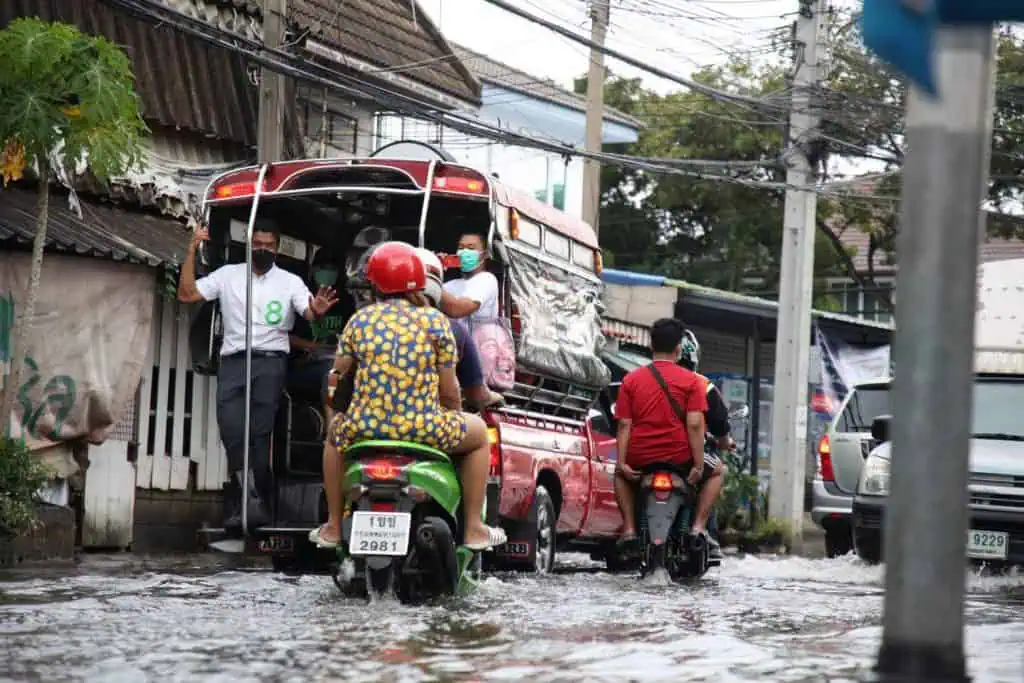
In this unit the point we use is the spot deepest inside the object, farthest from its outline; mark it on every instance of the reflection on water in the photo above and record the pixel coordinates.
(753, 620)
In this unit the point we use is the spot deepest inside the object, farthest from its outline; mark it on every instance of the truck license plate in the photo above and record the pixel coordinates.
(380, 533)
(987, 545)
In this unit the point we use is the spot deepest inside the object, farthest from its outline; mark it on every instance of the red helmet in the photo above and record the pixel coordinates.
(395, 268)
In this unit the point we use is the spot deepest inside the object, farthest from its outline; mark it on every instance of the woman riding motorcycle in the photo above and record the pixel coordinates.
(405, 389)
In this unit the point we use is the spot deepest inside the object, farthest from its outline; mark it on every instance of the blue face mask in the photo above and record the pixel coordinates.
(469, 260)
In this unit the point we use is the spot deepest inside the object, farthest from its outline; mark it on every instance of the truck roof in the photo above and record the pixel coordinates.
(999, 321)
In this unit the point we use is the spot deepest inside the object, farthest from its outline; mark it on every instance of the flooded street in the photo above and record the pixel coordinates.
(755, 619)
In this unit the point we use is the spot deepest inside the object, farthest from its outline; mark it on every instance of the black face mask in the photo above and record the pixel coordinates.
(263, 259)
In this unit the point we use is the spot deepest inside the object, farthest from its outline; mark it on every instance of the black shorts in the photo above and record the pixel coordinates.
(711, 463)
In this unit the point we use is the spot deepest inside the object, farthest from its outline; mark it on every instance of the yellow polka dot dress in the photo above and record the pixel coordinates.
(398, 348)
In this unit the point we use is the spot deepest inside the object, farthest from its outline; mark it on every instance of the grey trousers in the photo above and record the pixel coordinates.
(268, 379)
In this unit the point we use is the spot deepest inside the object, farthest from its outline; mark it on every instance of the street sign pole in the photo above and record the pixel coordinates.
(944, 180)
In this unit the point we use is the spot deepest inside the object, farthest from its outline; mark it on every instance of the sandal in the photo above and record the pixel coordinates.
(317, 539)
(627, 540)
(495, 536)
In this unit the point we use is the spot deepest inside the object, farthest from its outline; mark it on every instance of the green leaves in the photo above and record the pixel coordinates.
(70, 93)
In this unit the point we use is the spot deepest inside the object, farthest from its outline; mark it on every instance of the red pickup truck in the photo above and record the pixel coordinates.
(552, 479)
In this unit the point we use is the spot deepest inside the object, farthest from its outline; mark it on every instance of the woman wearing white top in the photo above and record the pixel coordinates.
(475, 294)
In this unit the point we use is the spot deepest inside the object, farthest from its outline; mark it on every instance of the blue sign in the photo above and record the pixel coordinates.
(978, 11)
(902, 33)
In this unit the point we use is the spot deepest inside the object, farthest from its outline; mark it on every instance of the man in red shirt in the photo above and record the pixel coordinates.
(651, 431)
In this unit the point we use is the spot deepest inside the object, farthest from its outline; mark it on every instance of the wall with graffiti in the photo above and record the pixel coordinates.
(86, 346)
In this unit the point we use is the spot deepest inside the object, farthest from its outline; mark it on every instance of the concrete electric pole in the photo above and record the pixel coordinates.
(270, 132)
(599, 17)
(945, 177)
(793, 338)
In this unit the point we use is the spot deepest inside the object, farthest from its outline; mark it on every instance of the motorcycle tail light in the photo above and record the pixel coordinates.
(385, 468)
(662, 482)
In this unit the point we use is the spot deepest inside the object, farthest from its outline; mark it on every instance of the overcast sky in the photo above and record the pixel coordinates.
(675, 35)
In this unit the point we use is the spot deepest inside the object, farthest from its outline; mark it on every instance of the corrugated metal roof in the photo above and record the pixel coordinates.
(395, 35)
(182, 81)
(104, 231)
(492, 71)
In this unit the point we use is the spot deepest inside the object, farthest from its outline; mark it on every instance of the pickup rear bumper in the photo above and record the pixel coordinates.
(869, 524)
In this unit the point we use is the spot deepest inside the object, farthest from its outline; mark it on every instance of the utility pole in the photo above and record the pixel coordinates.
(270, 132)
(793, 338)
(599, 18)
(945, 177)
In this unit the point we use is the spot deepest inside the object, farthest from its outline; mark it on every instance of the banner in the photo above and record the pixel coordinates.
(85, 349)
(844, 366)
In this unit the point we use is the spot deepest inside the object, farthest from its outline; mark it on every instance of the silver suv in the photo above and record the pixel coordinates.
(995, 483)
(840, 455)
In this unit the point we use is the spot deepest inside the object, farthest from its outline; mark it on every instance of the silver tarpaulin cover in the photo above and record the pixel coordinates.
(560, 322)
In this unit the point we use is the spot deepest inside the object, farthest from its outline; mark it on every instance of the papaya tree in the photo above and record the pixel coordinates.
(69, 104)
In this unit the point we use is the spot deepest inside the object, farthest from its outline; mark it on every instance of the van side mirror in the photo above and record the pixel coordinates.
(880, 427)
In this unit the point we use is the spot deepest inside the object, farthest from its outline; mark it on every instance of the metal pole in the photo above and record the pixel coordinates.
(270, 146)
(431, 170)
(754, 441)
(248, 346)
(599, 17)
(792, 340)
(944, 181)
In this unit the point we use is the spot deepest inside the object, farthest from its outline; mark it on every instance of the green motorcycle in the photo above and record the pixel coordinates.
(403, 535)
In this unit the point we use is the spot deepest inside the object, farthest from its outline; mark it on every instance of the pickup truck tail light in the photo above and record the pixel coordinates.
(495, 449)
(825, 459)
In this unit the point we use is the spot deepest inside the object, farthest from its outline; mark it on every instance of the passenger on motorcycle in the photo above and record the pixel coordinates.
(660, 409)
(716, 420)
(468, 369)
(405, 389)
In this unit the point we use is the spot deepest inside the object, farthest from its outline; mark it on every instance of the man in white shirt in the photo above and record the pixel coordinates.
(475, 294)
(277, 297)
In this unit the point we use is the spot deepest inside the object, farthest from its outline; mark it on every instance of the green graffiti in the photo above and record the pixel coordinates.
(6, 327)
(58, 392)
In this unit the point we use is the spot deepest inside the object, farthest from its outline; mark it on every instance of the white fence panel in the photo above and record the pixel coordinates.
(182, 428)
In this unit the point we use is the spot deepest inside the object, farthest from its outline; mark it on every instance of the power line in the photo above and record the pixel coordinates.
(711, 92)
(302, 69)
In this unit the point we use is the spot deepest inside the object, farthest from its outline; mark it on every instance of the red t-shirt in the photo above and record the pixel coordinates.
(657, 434)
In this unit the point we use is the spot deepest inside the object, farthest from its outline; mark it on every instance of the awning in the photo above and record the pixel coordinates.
(734, 313)
(104, 231)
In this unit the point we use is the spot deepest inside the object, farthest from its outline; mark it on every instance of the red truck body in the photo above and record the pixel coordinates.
(575, 463)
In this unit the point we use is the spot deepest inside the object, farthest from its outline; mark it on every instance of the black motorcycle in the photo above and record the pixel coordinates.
(665, 512)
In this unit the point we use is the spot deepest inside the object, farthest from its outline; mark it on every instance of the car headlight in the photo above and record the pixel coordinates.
(874, 479)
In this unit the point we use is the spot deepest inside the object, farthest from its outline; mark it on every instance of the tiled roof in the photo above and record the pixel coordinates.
(182, 81)
(858, 241)
(395, 35)
(992, 249)
(504, 76)
(104, 231)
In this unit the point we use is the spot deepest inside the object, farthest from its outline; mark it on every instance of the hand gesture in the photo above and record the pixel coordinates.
(200, 233)
(628, 472)
(325, 298)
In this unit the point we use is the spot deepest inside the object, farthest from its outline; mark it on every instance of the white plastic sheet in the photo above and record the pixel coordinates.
(86, 346)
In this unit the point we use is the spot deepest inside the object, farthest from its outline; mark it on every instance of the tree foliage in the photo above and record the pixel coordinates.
(67, 91)
(719, 231)
(69, 103)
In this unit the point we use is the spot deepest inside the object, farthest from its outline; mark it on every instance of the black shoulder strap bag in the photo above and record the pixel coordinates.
(664, 389)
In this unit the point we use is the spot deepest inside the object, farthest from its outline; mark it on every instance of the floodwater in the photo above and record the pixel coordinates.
(754, 619)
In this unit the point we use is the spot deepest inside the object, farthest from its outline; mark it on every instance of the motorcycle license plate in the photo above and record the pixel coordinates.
(380, 533)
